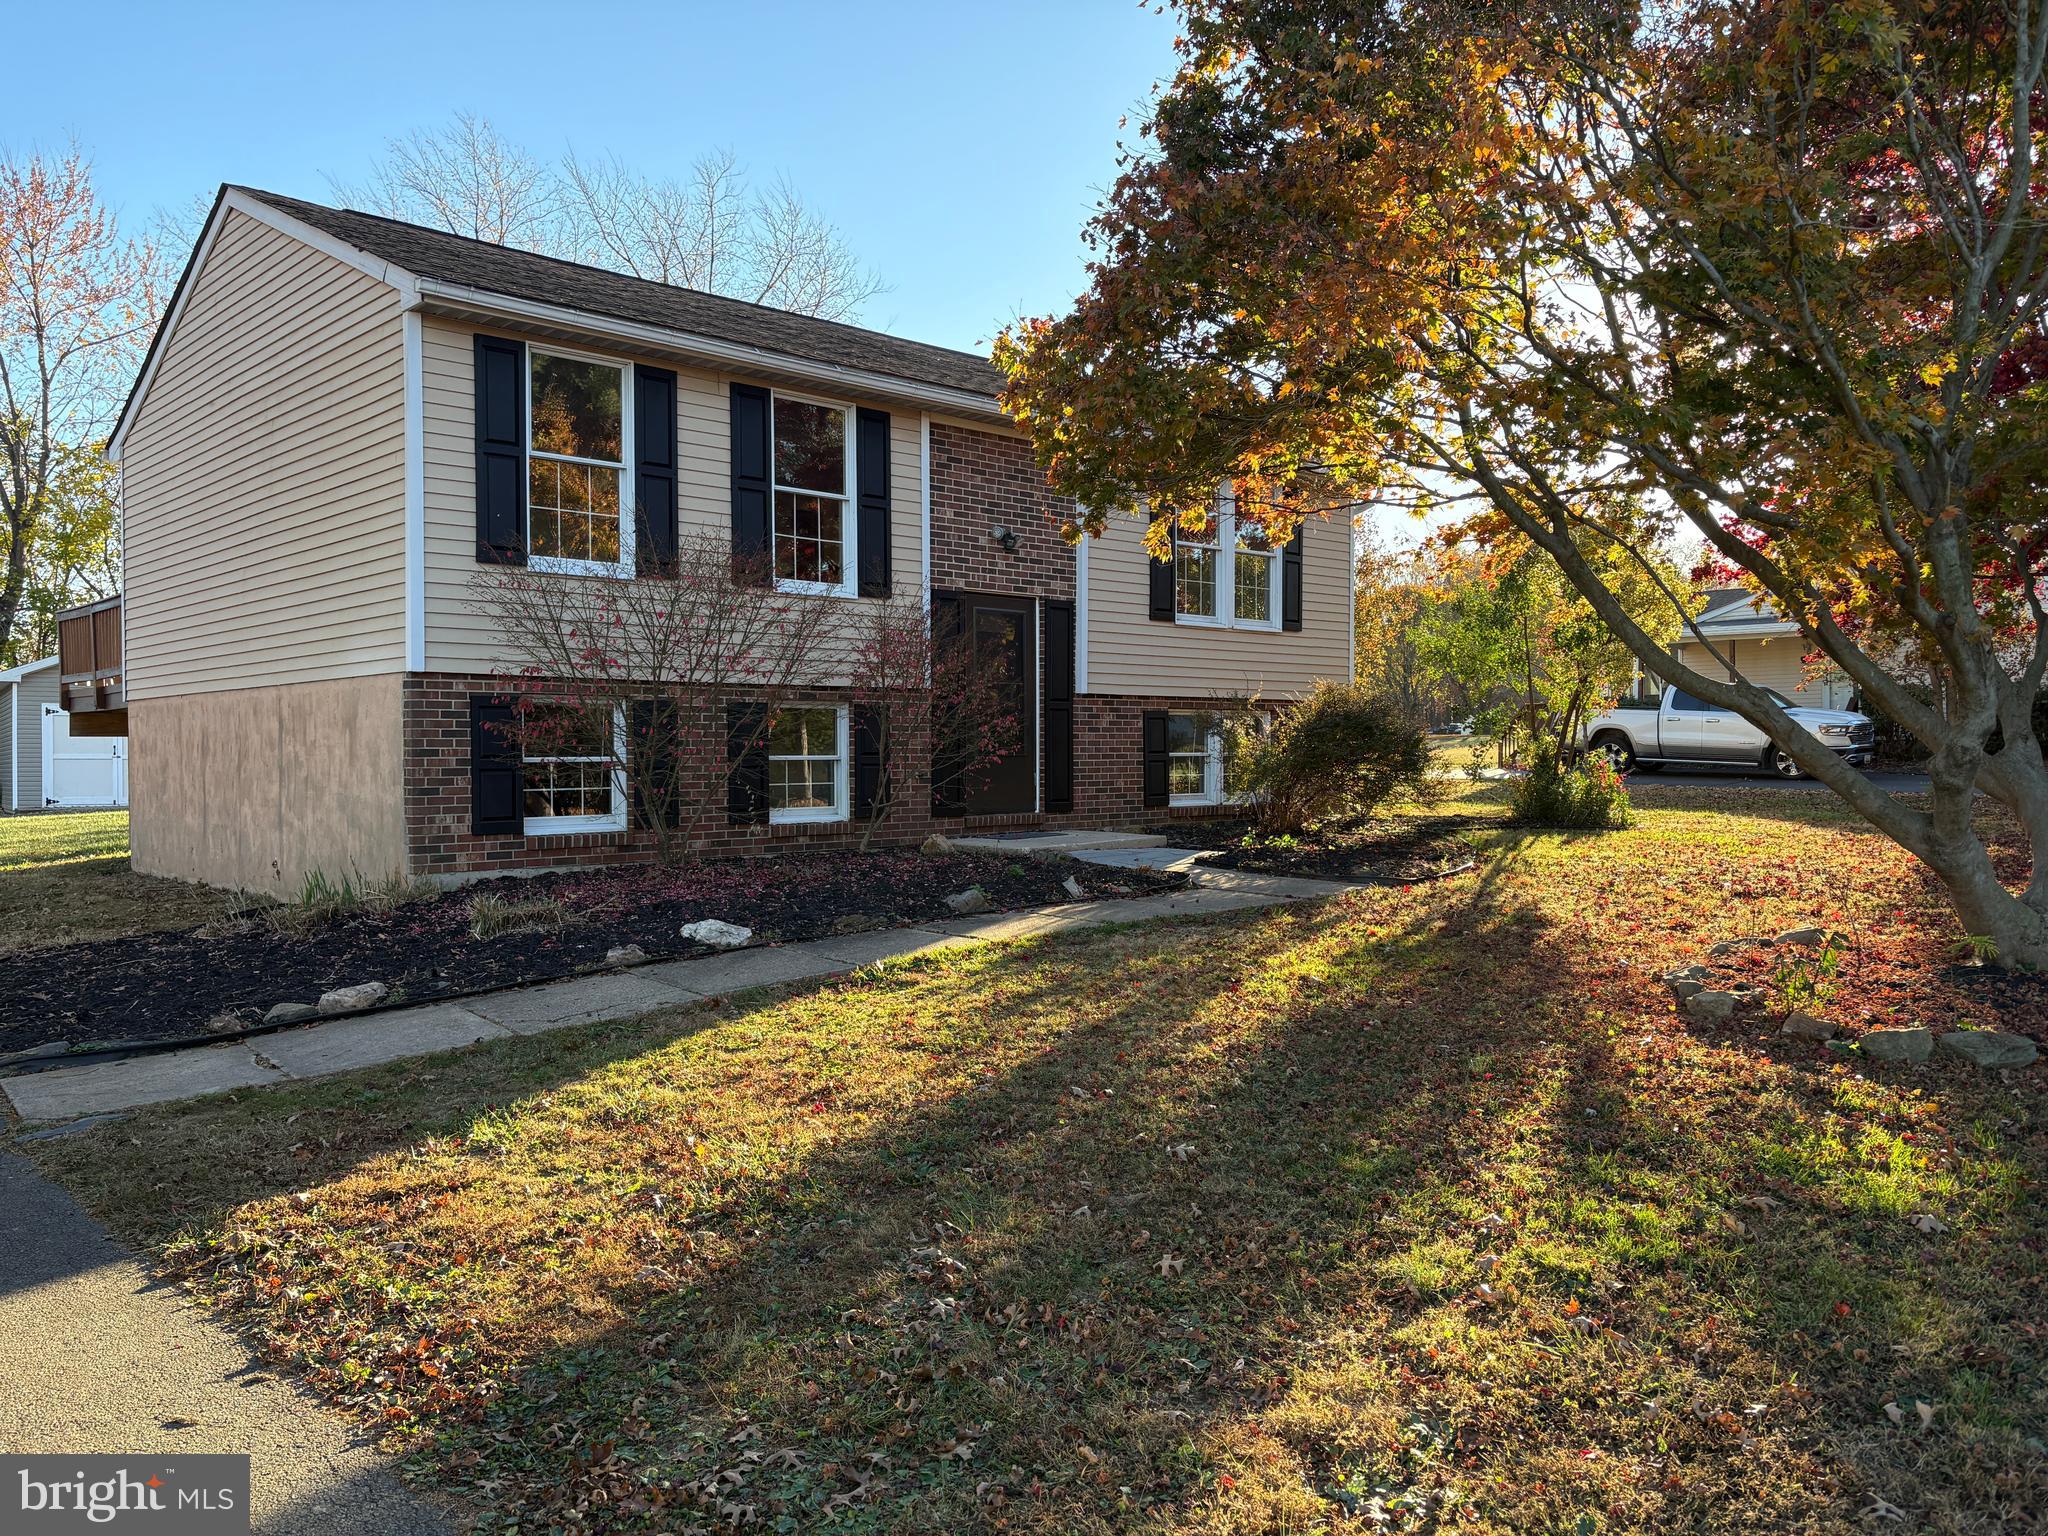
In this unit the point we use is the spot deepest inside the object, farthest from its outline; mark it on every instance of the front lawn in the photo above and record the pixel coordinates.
(64, 878)
(1411, 1211)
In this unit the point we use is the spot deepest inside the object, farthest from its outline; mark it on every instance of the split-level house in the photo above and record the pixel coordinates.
(335, 430)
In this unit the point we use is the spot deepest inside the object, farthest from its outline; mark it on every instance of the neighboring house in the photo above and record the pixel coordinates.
(331, 434)
(1759, 647)
(42, 765)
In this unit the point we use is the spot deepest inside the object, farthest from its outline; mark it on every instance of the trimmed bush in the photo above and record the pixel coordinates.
(1588, 795)
(1339, 752)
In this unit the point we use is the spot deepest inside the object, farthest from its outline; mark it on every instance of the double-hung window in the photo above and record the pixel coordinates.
(577, 451)
(1194, 760)
(807, 764)
(570, 770)
(1226, 573)
(814, 523)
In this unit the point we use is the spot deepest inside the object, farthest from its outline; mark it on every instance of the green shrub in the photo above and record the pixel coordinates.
(1340, 751)
(1586, 795)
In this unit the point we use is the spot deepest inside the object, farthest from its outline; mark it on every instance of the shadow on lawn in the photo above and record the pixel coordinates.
(1217, 1203)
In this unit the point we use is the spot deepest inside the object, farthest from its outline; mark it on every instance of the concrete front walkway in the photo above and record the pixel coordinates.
(340, 1045)
(98, 1358)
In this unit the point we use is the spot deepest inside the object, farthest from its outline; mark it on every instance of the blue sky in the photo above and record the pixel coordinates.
(958, 147)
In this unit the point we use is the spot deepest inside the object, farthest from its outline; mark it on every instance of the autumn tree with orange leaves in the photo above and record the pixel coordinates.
(1772, 272)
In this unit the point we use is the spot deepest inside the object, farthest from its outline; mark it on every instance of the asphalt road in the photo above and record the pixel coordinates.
(94, 1356)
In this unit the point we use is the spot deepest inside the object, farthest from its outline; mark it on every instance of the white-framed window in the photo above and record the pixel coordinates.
(807, 764)
(1226, 574)
(579, 449)
(811, 443)
(1194, 760)
(570, 778)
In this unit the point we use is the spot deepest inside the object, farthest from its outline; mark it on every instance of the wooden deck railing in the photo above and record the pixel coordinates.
(89, 658)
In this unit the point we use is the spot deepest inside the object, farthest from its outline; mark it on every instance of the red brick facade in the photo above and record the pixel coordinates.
(981, 481)
(1108, 791)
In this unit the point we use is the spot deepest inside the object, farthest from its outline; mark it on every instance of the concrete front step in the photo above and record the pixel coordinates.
(1057, 842)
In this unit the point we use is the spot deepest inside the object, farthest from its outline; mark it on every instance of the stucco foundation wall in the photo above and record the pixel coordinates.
(257, 788)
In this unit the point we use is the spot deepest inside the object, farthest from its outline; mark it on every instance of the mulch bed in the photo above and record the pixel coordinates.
(1393, 851)
(167, 986)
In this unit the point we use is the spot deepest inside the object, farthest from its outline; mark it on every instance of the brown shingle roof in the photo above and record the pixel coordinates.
(499, 269)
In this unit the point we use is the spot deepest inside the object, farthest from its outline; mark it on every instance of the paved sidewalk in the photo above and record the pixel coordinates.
(342, 1045)
(96, 1358)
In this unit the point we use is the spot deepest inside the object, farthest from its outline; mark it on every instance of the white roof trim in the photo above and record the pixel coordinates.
(854, 381)
(16, 674)
(239, 202)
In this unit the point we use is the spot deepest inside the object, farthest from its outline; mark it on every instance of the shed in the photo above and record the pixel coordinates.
(42, 765)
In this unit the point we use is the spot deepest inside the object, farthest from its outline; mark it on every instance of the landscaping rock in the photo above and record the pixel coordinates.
(1073, 888)
(1736, 946)
(225, 1023)
(1802, 938)
(937, 846)
(1712, 1007)
(856, 922)
(717, 934)
(290, 1013)
(1804, 1026)
(363, 995)
(970, 902)
(625, 954)
(1687, 981)
(1909, 1044)
(1990, 1049)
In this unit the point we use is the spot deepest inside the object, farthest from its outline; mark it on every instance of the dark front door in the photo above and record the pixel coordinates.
(1005, 648)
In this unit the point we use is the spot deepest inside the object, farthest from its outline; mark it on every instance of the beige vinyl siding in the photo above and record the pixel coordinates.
(460, 638)
(263, 478)
(1771, 662)
(1129, 652)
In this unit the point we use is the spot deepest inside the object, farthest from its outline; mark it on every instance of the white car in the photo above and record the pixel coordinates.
(1679, 728)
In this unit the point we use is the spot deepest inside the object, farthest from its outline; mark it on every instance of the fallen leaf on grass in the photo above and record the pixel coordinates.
(1933, 1226)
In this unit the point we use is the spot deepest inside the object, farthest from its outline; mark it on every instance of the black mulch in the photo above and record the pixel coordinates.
(165, 986)
(1396, 850)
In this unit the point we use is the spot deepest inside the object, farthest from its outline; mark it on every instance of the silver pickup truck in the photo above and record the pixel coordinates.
(1679, 728)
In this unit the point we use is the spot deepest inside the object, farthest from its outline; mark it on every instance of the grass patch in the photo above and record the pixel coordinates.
(64, 878)
(1414, 1211)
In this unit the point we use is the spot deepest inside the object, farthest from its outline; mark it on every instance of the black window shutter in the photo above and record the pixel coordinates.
(1155, 757)
(1162, 584)
(752, 489)
(746, 764)
(1056, 741)
(500, 451)
(868, 727)
(1290, 581)
(495, 793)
(654, 762)
(654, 469)
(949, 789)
(871, 437)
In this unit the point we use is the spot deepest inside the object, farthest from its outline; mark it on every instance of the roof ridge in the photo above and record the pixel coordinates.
(275, 199)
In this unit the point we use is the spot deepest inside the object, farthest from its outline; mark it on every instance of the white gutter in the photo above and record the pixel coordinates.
(415, 495)
(857, 381)
(924, 509)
